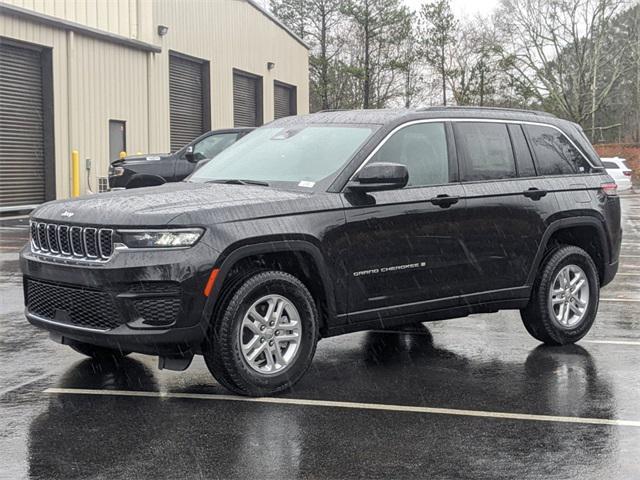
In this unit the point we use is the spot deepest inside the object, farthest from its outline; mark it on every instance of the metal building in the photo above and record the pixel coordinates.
(97, 76)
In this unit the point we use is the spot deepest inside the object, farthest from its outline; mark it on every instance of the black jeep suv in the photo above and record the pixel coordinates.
(329, 223)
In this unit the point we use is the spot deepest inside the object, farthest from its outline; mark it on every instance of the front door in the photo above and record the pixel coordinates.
(405, 252)
(203, 150)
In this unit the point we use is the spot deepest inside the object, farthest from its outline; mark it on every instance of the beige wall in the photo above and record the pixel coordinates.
(95, 80)
(122, 17)
(231, 34)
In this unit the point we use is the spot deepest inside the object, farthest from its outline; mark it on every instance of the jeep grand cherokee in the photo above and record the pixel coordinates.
(329, 223)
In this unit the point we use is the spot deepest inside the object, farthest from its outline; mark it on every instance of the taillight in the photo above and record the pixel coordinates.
(627, 173)
(609, 189)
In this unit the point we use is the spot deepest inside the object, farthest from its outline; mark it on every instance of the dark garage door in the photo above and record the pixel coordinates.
(189, 104)
(284, 100)
(23, 122)
(247, 100)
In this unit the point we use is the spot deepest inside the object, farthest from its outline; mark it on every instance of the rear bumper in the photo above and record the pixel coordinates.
(147, 302)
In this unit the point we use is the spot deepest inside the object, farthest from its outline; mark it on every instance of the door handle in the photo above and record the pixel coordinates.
(534, 193)
(444, 200)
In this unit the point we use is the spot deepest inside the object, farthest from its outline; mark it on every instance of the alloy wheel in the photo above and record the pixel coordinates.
(270, 334)
(569, 296)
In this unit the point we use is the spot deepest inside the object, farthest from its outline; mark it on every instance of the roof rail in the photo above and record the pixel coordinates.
(333, 110)
(499, 109)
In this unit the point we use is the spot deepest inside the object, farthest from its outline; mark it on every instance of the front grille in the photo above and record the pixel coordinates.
(72, 305)
(158, 311)
(91, 242)
(63, 240)
(79, 242)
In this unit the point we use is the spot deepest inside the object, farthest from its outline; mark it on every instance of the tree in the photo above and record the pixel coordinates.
(438, 35)
(316, 22)
(557, 50)
(379, 27)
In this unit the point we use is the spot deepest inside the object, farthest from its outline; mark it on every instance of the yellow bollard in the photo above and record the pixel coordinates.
(75, 173)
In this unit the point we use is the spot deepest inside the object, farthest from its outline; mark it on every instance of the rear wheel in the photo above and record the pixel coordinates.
(565, 297)
(98, 353)
(265, 336)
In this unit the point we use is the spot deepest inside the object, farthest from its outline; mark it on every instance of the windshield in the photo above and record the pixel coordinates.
(302, 154)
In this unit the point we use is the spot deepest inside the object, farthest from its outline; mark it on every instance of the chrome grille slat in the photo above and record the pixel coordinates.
(59, 240)
(35, 243)
(90, 244)
(63, 240)
(42, 237)
(105, 242)
(52, 238)
(77, 242)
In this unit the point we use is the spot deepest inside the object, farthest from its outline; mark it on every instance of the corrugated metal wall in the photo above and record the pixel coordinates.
(115, 16)
(94, 81)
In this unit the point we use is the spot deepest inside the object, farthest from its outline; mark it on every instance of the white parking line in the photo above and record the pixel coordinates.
(627, 274)
(629, 256)
(351, 405)
(613, 342)
(631, 300)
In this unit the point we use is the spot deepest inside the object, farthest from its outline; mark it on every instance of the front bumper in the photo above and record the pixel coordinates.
(147, 301)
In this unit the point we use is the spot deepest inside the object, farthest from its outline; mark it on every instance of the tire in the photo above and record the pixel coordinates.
(223, 352)
(540, 318)
(98, 353)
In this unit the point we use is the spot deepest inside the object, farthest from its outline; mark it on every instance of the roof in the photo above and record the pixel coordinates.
(275, 20)
(385, 116)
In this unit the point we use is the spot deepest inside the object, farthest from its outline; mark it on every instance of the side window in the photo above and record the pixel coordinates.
(554, 154)
(610, 165)
(213, 145)
(485, 151)
(524, 160)
(422, 148)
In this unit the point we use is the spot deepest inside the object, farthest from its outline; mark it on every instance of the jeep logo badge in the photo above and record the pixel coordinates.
(67, 213)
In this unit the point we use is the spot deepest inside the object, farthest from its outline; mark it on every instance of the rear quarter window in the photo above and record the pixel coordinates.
(610, 165)
(554, 153)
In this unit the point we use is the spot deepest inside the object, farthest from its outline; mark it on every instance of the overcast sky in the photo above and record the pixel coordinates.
(462, 8)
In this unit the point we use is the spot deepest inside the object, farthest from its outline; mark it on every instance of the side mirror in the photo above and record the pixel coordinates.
(190, 155)
(380, 176)
(144, 180)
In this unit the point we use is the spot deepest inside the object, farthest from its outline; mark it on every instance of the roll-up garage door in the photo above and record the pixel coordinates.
(22, 127)
(189, 106)
(284, 101)
(247, 100)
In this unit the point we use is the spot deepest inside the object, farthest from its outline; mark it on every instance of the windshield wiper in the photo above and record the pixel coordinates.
(236, 181)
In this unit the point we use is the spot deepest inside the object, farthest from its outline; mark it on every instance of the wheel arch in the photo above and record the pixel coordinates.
(302, 258)
(585, 232)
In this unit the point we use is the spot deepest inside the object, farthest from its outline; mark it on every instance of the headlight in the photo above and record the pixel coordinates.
(160, 238)
(117, 171)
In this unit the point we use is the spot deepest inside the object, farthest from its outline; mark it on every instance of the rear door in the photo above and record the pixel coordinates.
(405, 251)
(507, 207)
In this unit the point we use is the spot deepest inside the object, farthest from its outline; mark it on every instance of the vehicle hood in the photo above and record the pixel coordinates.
(180, 203)
(138, 159)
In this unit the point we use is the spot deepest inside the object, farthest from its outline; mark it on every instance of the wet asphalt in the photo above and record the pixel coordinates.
(131, 420)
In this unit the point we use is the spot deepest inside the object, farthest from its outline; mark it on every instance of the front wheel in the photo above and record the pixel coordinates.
(565, 297)
(265, 337)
